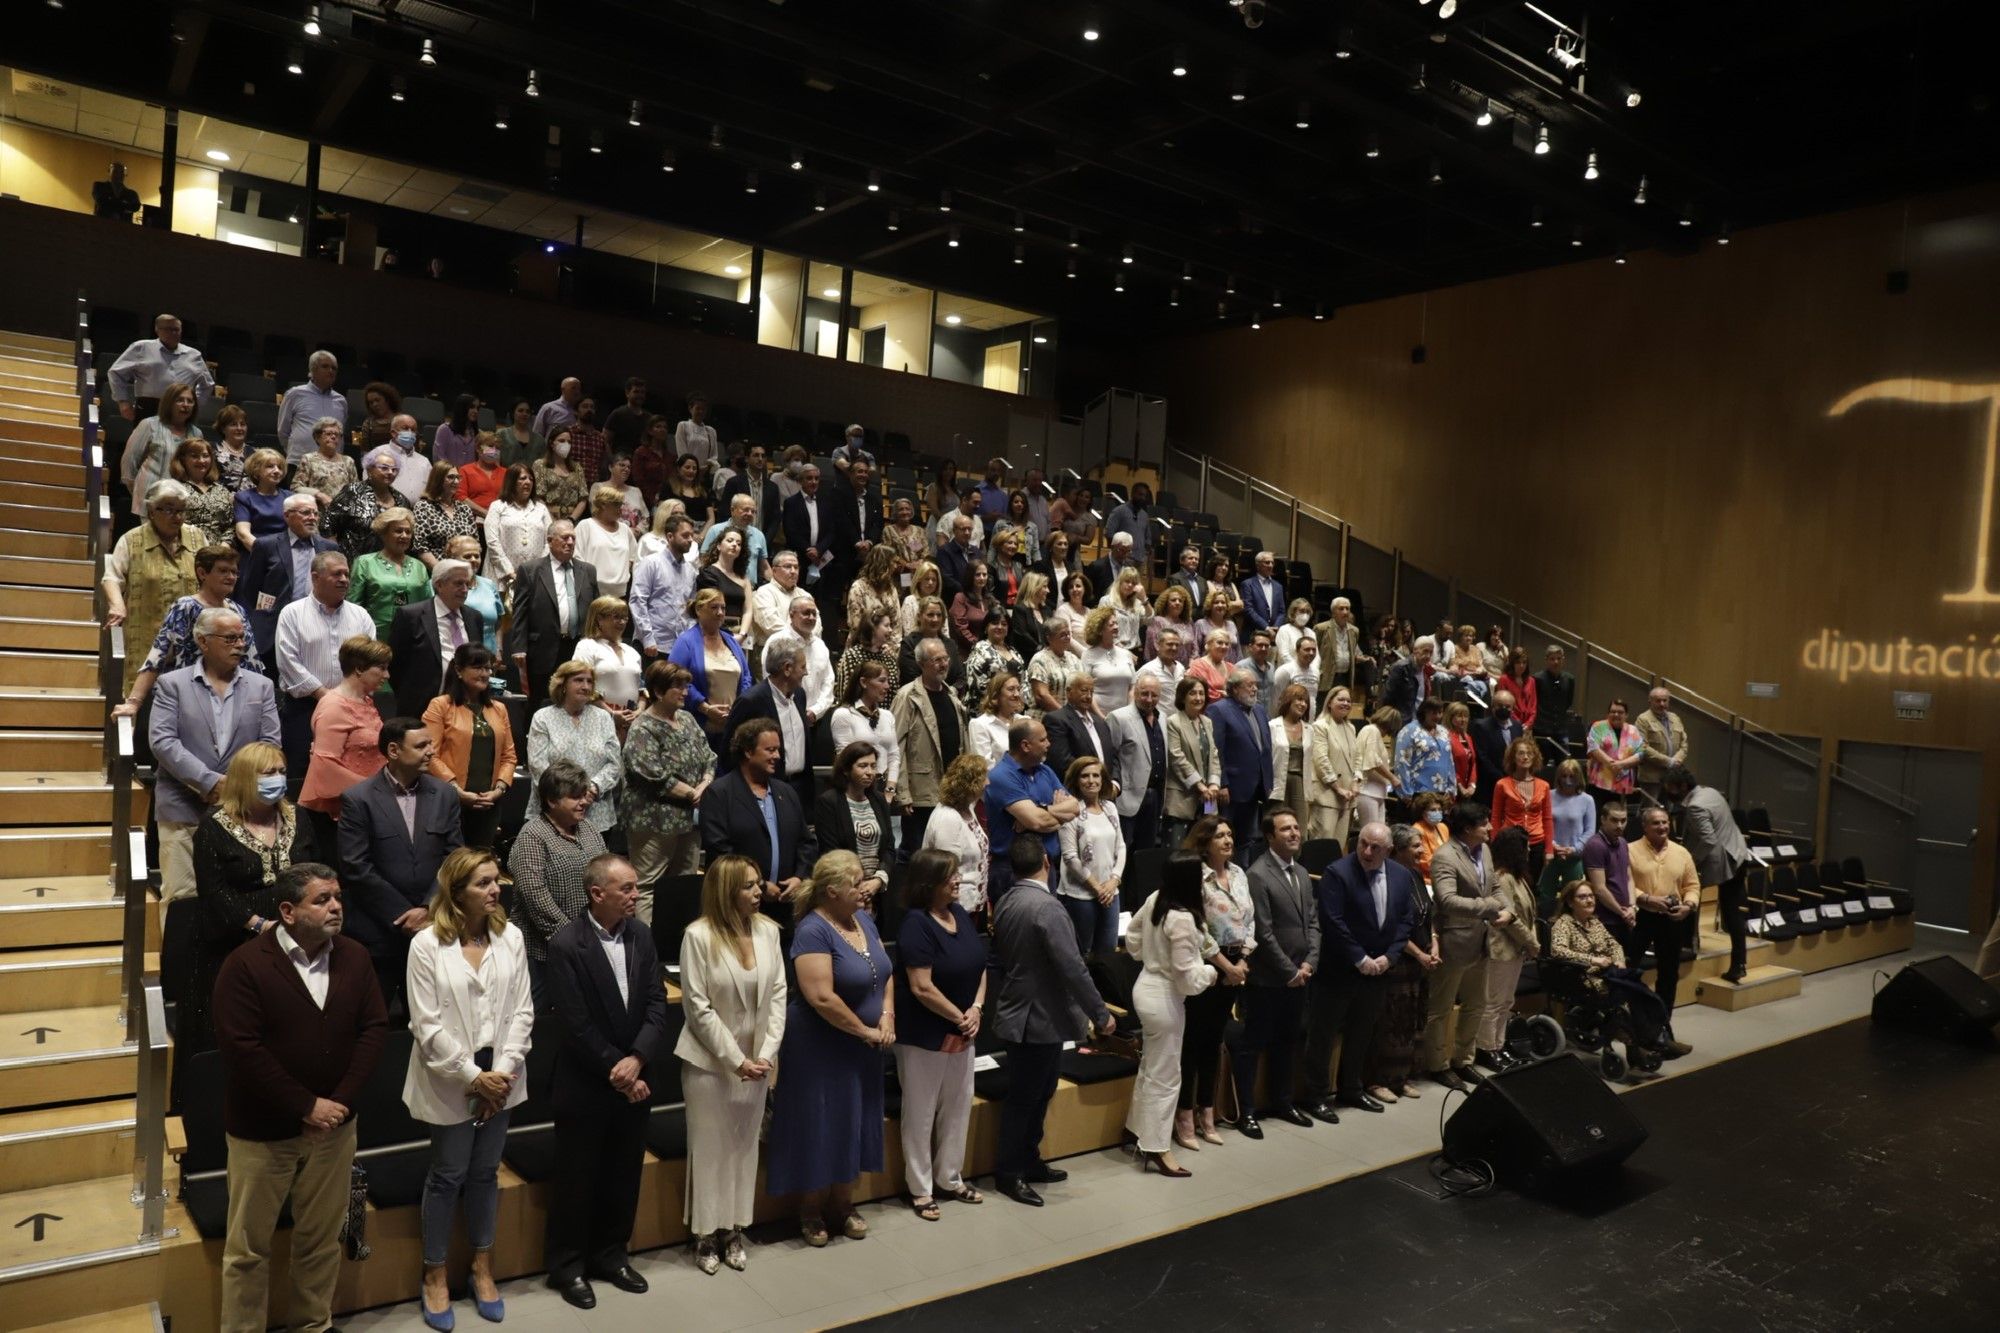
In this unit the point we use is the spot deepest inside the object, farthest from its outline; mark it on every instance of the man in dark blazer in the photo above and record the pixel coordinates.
(1409, 682)
(277, 571)
(1103, 571)
(610, 1020)
(956, 558)
(299, 1024)
(1367, 906)
(1077, 729)
(857, 515)
(1187, 574)
(420, 631)
(1243, 742)
(396, 828)
(810, 528)
(780, 699)
(1263, 595)
(551, 598)
(1492, 736)
(1281, 972)
(732, 817)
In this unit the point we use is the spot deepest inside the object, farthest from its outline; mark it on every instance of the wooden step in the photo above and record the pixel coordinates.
(44, 545)
(61, 347)
(14, 409)
(58, 753)
(51, 397)
(44, 573)
(32, 706)
(29, 429)
(72, 977)
(35, 377)
(56, 853)
(64, 476)
(47, 635)
(66, 671)
(66, 911)
(1711, 960)
(40, 443)
(41, 496)
(1760, 985)
(129, 1319)
(70, 518)
(81, 1217)
(1846, 944)
(25, 603)
(58, 1145)
(63, 798)
(64, 1055)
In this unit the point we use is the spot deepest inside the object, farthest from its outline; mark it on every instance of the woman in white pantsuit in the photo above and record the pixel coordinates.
(733, 994)
(1165, 936)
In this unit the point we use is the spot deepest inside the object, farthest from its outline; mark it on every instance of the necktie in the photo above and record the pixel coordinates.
(568, 580)
(1378, 884)
(457, 630)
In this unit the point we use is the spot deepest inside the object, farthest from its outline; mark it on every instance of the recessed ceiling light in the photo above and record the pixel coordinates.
(295, 61)
(733, 270)
(1542, 141)
(667, 159)
(830, 293)
(1590, 168)
(1090, 34)
(217, 155)
(534, 88)
(429, 57)
(953, 319)
(632, 116)
(1040, 339)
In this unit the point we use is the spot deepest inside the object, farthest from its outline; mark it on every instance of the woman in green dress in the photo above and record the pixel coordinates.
(384, 581)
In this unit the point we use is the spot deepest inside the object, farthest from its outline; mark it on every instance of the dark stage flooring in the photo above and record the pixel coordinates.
(1846, 1181)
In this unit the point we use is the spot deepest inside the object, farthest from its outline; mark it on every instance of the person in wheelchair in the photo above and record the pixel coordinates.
(1603, 999)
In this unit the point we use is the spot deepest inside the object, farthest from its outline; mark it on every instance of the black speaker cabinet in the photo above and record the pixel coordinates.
(1939, 995)
(1543, 1122)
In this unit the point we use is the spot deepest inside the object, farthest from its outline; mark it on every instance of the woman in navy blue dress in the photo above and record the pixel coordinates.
(827, 1126)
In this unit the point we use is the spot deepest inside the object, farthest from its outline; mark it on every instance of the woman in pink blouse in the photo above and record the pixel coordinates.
(346, 727)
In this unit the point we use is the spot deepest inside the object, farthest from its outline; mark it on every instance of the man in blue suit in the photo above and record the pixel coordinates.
(277, 571)
(1367, 905)
(1264, 594)
(1243, 737)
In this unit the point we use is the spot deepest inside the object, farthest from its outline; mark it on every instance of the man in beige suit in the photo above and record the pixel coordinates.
(1462, 883)
(1665, 738)
(930, 729)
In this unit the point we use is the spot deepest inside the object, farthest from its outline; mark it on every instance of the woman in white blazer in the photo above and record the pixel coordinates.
(1336, 769)
(733, 996)
(1165, 936)
(1294, 777)
(471, 1021)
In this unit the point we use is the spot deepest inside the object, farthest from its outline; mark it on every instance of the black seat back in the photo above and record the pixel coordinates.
(676, 905)
(1316, 854)
(382, 1120)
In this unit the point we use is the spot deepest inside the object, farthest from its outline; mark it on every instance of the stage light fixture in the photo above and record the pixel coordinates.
(295, 61)
(1229, 284)
(312, 20)
(1319, 311)
(1277, 299)
(1535, 218)
(1020, 254)
(1174, 297)
(398, 88)
(874, 181)
(1117, 282)
(1633, 97)
(500, 116)
(1256, 323)
(749, 182)
(1542, 140)
(534, 85)
(1070, 272)
(1303, 120)
(1566, 52)
(951, 238)
(1447, 9)
(1590, 168)
(1437, 172)
(1343, 46)
(1576, 238)
(1020, 221)
(632, 116)
(1485, 116)
(597, 142)
(1640, 196)
(1374, 148)
(798, 162)
(429, 57)
(1722, 234)
(1127, 256)
(1073, 238)
(1090, 33)
(895, 220)
(666, 159)
(1619, 258)
(819, 201)
(1687, 216)
(944, 201)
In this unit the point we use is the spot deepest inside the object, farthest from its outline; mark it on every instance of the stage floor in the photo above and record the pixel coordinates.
(1844, 1181)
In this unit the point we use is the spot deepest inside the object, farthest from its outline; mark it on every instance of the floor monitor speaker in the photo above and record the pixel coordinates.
(1542, 1122)
(1939, 995)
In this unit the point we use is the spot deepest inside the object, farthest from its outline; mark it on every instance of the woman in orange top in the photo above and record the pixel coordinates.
(1427, 811)
(346, 727)
(475, 743)
(1458, 722)
(1524, 799)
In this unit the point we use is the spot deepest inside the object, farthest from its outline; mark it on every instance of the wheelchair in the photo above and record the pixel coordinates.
(1592, 1022)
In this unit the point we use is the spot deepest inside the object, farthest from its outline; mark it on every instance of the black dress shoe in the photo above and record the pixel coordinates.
(624, 1277)
(1020, 1191)
(1324, 1112)
(1361, 1101)
(1446, 1078)
(577, 1292)
(1046, 1175)
(1247, 1126)
(1495, 1061)
(1469, 1075)
(1734, 976)
(1293, 1115)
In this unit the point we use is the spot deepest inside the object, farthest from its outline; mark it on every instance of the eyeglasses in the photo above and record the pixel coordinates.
(226, 638)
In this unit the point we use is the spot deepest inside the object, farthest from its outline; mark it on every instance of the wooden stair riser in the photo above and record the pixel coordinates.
(55, 636)
(94, 976)
(70, 1080)
(40, 518)
(131, 1319)
(13, 409)
(59, 1295)
(46, 853)
(42, 345)
(40, 447)
(57, 804)
(23, 603)
(57, 670)
(29, 571)
(1761, 985)
(28, 708)
(52, 751)
(44, 545)
(67, 477)
(32, 428)
(39, 396)
(65, 1144)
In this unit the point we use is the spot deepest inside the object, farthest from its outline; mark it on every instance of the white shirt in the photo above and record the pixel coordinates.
(316, 973)
(850, 725)
(564, 577)
(812, 522)
(413, 475)
(697, 438)
(612, 553)
(1292, 674)
(514, 536)
(943, 529)
(818, 683)
(147, 368)
(309, 639)
(989, 738)
(614, 954)
(771, 612)
(618, 668)
(1092, 847)
(792, 724)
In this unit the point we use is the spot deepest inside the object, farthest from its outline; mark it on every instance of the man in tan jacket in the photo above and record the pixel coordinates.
(1665, 738)
(1462, 881)
(930, 729)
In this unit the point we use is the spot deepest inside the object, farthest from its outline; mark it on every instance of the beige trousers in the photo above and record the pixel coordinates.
(314, 1173)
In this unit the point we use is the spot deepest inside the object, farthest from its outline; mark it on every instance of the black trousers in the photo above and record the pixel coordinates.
(914, 823)
(1731, 903)
(1143, 828)
(1032, 1070)
(595, 1192)
(1201, 1043)
(295, 738)
(1664, 936)
(1273, 1017)
(1346, 1005)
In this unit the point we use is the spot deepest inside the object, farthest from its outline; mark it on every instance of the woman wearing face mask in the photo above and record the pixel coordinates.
(1428, 812)
(350, 519)
(480, 480)
(559, 481)
(1298, 623)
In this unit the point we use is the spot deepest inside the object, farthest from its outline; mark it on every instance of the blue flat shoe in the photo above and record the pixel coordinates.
(491, 1311)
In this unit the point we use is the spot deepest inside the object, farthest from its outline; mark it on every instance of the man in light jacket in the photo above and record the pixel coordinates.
(1720, 853)
(1462, 882)
(1139, 733)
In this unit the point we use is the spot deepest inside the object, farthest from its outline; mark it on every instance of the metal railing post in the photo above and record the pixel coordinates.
(149, 1148)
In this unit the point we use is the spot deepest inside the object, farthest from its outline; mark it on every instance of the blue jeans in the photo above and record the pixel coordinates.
(1096, 925)
(465, 1163)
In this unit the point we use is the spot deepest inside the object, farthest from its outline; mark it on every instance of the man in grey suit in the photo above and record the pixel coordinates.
(1462, 883)
(1720, 854)
(1281, 970)
(1045, 999)
(396, 828)
(1138, 732)
(202, 715)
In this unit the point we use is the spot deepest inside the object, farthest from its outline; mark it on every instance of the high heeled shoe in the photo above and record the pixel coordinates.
(1154, 1161)
(1208, 1130)
(1184, 1131)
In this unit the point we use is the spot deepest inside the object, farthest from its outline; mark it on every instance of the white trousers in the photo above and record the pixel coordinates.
(724, 1113)
(1501, 978)
(937, 1113)
(1156, 1091)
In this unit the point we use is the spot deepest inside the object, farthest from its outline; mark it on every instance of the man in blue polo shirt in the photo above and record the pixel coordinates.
(1023, 795)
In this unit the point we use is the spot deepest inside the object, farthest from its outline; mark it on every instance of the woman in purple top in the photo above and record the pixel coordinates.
(457, 437)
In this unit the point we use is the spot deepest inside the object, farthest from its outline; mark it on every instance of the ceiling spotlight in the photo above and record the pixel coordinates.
(798, 162)
(874, 181)
(819, 201)
(1542, 140)
(1590, 168)
(830, 293)
(944, 201)
(1041, 339)
(1343, 46)
(398, 87)
(1632, 97)
(1485, 116)
(732, 270)
(1576, 238)
(1304, 119)
(1020, 221)
(1070, 272)
(216, 155)
(1420, 79)
(293, 217)
(597, 142)
(666, 159)
(1180, 65)
(1117, 282)
(534, 86)
(1640, 197)
(1722, 234)
(954, 319)
(632, 116)
(1221, 310)
(1437, 172)
(1090, 34)
(1187, 271)
(1174, 297)
(1020, 254)
(749, 178)
(1535, 218)
(1687, 216)
(1619, 258)
(295, 61)
(1127, 256)
(1447, 9)
(1236, 93)
(500, 119)
(895, 220)
(1566, 53)
(1229, 284)
(1255, 323)
(951, 238)
(429, 57)
(1319, 311)
(1374, 146)
(1072, 238)
(312, 20)
(1277, 299)
(549, 248)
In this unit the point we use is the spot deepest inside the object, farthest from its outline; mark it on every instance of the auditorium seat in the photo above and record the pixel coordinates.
(246, 387)
(1316, 854)
(428, 411)
(676, 906)
(391, 1145)
(204, 1161)
(666, 1131)
(1143, 867)
(1854, 872)
(895, 440)
(262, 416)
(285, 354)
(1095, 1066)
(763, 426)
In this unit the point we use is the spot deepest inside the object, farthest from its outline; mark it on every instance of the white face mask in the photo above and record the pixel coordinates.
(1302, 619)
(561, 448)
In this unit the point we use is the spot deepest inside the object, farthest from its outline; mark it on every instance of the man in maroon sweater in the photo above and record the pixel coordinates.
(300, 1022)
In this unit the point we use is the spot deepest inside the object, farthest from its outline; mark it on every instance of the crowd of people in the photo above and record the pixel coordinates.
(939, 725)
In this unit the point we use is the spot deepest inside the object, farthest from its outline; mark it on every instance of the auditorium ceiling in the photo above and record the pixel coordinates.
(1213, 159)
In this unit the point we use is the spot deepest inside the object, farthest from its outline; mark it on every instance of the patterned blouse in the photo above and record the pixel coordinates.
(1423, 762)
(212, 508)
(984, 663)
(436, 526)
(850, 662)
(548, 867)
(1229, 914)
(350, 519)
(562, 492)
(317, 472)
(658, 754)
(1572, 941)
(1597, 771)
(173, 646)
(590, 741)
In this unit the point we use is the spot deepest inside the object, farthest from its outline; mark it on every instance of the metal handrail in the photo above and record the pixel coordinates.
(149, 1152)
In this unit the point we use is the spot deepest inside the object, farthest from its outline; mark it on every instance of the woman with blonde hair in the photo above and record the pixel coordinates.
(1127, 597)
(826, 1128)
(605, 543)
(733, 995)
(1336, 769)
(1002, 701)
(1093, 860)
(570, 728)
(1172, 611)
(1574, 816)
(925, 581)
(1464, 762)
(260, 505)
(1107, 660)
(1294, 765)
(616, 664)
(874, 589)
(1024, 623)
(1165, 935)
(717, 669)
(471, 1023)
(386, 580)
(954, 827)
(1374, 757)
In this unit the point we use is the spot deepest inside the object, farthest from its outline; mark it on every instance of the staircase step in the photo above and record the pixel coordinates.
(34, 706)
(1760, 985)
(26, 603)
(54, 670)
(59, 1145)
(44, 573)
(82, 1217)
(72, 977)
(63, 636)
(130, 1319)
(16, 409)
(66, 476)
(70, 518)
(64, 1055)
(63, 798)
(44, 345)
(14, 427)
(55, 854)
(58, 753)
(35, 376)
(65, 910)
(44, 545)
